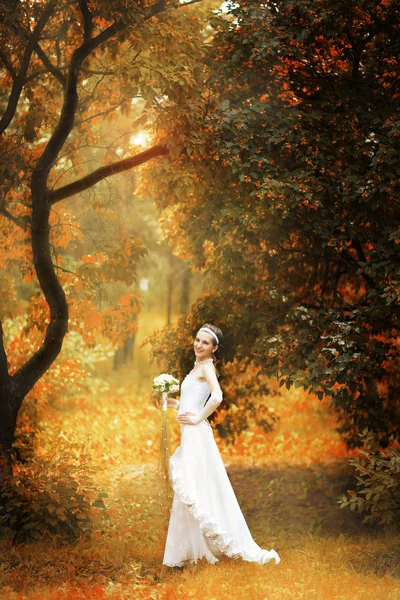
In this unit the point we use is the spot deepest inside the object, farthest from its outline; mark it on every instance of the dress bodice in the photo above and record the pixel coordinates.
(194, 394)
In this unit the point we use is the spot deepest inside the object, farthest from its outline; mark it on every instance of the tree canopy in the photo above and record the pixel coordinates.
(289, 194)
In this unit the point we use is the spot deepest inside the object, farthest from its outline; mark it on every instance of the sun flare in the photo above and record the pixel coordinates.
(139, 139)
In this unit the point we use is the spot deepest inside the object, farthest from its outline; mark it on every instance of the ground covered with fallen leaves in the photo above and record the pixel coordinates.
(287, 482)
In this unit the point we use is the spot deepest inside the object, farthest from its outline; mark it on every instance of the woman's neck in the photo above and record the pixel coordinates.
(199, 362)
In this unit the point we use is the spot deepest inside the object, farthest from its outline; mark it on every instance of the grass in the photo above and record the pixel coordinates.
(287, 489)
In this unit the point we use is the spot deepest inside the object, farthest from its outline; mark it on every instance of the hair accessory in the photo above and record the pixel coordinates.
(210, 331)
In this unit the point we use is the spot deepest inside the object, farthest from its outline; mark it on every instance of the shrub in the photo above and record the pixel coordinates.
(246, 395)
(52, 495)
(378, 482)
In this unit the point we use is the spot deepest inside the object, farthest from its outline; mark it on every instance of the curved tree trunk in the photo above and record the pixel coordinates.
(14, 388)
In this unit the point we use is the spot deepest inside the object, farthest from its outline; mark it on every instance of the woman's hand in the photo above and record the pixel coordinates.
(184, 418)
(171, 402)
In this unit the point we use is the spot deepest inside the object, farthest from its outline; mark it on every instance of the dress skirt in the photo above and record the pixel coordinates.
(206, 520)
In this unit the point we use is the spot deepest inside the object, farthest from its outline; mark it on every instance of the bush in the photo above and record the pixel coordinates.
(378, 482)
(52, 495)
(245, 406)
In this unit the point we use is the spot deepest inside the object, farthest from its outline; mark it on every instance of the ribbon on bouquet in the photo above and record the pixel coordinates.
(163, 463)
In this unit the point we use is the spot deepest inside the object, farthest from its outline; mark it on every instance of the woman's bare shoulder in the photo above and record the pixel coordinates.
(209, 369)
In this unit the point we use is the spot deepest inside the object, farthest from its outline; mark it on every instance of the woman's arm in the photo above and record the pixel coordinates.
(215, 398)
(210, 376)
(172, 403)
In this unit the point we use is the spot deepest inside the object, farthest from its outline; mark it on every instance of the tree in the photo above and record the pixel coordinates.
(293, 199)
(67, 66)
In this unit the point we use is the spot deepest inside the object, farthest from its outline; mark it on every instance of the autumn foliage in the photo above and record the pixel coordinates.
(71, 71)
(273, 141)
(289, 195)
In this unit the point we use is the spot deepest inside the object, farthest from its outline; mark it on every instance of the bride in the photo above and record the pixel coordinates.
(206, 520)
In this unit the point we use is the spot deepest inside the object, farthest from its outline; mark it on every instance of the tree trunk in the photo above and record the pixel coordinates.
(124, 354)
(129, 345)
(185, 290)
(170, 286)
(10, 403)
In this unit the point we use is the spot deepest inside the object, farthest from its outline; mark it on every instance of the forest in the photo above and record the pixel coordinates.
(169, 163)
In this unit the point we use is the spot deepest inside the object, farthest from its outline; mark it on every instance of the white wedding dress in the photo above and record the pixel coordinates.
(206, 519)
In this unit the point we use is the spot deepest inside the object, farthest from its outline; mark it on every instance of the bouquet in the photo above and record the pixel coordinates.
(163, 385)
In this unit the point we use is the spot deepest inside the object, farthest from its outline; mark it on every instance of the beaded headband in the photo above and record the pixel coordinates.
(210, 331)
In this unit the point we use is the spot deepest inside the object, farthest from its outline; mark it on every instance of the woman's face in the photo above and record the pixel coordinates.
(203, 345)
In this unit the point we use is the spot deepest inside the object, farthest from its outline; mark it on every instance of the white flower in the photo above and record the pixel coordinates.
(165, 383)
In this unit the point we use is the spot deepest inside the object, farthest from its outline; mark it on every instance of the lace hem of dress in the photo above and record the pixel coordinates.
(225, 544)
(190, 560)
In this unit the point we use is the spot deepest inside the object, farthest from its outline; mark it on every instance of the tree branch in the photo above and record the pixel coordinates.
(189, 3)
(118, 167)
(102, 37)
(359, 45)
(87, 20)
(20, 78)
(8, 65)
(61, 77)
(66, 120)
(348, 259)
(20, 222)
(99, 114)
(357, 245)
(47, 63)
(94, 72)
(77, 276)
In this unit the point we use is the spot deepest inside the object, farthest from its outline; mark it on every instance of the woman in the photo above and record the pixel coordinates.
(206, 519)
